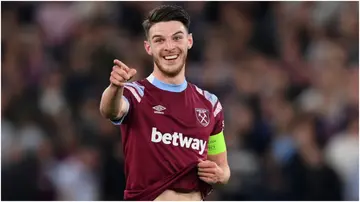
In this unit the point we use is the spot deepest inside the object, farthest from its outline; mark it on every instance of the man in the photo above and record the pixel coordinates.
(172, 131)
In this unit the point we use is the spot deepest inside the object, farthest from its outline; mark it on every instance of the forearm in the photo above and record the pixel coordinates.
(110, 104)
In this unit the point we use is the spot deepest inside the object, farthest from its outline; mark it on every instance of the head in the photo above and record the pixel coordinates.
(168, 39)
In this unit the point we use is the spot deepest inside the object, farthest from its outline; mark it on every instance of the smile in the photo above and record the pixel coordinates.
(171, 57)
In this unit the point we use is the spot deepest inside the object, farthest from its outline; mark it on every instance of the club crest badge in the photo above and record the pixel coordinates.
(203, 116)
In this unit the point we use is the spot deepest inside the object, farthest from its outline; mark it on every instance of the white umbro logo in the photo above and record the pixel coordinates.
(159, 109)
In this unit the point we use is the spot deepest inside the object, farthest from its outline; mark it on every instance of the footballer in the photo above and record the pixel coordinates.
(172, 131)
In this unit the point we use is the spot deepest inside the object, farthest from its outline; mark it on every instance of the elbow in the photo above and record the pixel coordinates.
(104, 112)
(108, 114)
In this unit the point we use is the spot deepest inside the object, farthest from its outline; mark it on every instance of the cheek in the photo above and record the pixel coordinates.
(156, 50)
(185, 49)
(185, 46)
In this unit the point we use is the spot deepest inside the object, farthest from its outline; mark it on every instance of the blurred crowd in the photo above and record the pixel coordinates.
(285, 72)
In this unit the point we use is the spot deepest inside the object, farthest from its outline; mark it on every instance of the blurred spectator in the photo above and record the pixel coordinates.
(342, 153)
(74, 178)
(308, 175)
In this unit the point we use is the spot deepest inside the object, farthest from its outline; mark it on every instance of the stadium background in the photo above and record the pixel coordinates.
(285, 72)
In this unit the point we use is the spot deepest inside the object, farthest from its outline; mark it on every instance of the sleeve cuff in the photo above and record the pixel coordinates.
(118, 122)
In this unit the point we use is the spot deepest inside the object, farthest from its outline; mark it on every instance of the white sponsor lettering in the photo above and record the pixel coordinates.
(178, 139)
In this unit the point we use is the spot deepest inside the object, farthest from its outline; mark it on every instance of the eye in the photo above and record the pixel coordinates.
(159, 40)
(176, 38)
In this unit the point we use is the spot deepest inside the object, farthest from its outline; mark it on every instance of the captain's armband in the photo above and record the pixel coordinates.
(216, 144)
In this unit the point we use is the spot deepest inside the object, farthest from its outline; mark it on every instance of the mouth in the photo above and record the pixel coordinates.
(171, 57)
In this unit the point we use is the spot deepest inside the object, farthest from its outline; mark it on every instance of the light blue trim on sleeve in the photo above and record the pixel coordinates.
(211, 97)
(118, 122)
(139, 89)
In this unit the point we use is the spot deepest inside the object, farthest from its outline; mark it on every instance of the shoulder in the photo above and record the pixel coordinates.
(135, 89)
(138, 85)
(204, 94)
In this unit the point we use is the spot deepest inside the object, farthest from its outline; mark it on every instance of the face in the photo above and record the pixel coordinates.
(168, 44)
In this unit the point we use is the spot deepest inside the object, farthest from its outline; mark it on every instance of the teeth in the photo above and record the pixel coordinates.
(171, 57)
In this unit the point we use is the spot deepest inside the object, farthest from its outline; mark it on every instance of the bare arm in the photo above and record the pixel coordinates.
(215, 170)
(112, 105)
(222, 162)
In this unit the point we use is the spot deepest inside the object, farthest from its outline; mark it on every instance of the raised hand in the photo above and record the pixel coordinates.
(121, 73)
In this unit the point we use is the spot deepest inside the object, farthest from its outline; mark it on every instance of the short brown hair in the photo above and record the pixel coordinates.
(166, 13)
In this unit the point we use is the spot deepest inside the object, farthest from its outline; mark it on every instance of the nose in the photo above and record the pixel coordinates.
(169, 45)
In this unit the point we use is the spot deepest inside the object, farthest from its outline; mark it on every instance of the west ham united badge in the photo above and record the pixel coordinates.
(202, 116)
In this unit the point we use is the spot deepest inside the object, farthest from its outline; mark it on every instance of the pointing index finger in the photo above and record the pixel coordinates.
(121, 64)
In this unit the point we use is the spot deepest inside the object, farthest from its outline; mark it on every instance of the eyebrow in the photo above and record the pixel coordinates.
(178, 32)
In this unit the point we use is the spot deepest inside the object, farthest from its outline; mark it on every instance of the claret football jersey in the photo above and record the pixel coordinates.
(164, 134)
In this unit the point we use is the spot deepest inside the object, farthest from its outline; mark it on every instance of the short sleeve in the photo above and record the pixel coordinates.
(133, 93)
(219, 118)
(119, 121)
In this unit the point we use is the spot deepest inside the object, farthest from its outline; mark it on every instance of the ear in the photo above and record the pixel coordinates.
(190, 41)
(147, 47)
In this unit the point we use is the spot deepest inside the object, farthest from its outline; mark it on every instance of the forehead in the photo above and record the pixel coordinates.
(166, 28)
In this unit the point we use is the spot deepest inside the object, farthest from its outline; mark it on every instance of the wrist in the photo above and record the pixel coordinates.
(223, 181)
(115, 87)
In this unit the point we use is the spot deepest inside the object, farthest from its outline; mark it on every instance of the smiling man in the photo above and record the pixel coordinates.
(172, 131)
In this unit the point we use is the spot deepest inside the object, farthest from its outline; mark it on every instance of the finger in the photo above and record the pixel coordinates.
(120, 74)
(207, 170)
(121, 64)
(119, 69)
(116, 82)
(200, 160)
(204, 174)
(207, 164)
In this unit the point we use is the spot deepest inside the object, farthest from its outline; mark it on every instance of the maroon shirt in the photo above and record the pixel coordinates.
(164, 134)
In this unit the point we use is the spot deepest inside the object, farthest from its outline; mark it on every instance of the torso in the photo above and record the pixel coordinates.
(170, 195)
(162, 134)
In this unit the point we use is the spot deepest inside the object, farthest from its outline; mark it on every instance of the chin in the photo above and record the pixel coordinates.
(171, 71)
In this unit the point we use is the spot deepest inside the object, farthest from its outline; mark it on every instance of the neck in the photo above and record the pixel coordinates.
(171, 84)
(176, 80)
